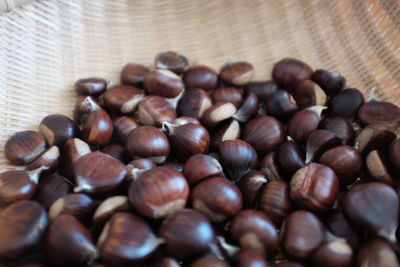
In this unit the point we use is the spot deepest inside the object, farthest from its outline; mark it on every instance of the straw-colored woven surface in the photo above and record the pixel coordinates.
(46, 45)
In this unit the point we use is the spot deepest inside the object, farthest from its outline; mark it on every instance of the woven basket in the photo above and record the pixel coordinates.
(46, 45)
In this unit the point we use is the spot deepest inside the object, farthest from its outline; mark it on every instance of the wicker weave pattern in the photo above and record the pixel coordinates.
(46, 45)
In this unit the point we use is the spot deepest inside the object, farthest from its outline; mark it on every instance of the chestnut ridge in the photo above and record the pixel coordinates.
(295, 170)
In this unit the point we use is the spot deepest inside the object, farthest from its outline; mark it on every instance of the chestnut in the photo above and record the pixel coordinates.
(22, 226)
(304, 122)
(81, 206)
(200, 77)
(377, 168)
(367, 206)
(98, 173)
(175, 165)
(330, 81)
(301, 235)
(318, 142)
(281, 105)
(24, 147)
(237, 157)
(194, 103)
(122, 98)
(84, 105)
(188, 234)
(153, 110)
(137, 166)
(163, 83)
(290, 158)
(289, 72)
(187, 140)
(116, 151)
(218, 113)
(314, 187)
(73, 149)
(333, 254)
(229, 130)
(269, 165)
(172, 61)
(339, 126)
(346, 103)
(51, 188)
(158, 192)
(123, 126)
(217, 198)
(248, 258)
(264, 134)
(374, 136)
(248, 109)
(254, 230)
(133, 74)
(126, 240)
(307, 94)
(345, 161)
(376, 252)
(199, 167)
(237, 73)
(251, 185)
(227, 94)
(69, 243)
(210, 262)
(48, 159)
(98, 128)
(57, 129)
(90, 86)
(375, 111)
(153, 144)
(275, 201)
(393, 155)
(262, 89)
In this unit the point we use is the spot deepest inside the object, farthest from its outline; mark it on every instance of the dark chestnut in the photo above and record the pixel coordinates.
(228, 94)
(133, 74)
(248, 258)
(307, 94)
(269, 165)
(194, 103)
(97, 130)
(374, 136)
(153, 110)
(158, 192)
(163, 83)
(248, 109)
(339, 126)
(73, 149)
(346, 103)
(172, 61)
(188, 234)
(218, 113)
(175, 165)
(122, 98)
(290, 158)
(153, 144)
(57, 129)
(275, 201)
(210, 262)
(163, 262)
(333, 254)
(137, 166)
(262, 89)
(264, 134)
(251, 185)
(201, 77)
(200, 167)
(314, 187)
(90, 86)
(22, 226)
(24, 147)
(376, 252)
(84, 105)
(367, 206)
(318, 142)
(126, 241)
(237, 73)
(377, 111)
(378, 169)
(393, 155)
(116, 151)
(98, 173)
(49, 159)
(304, 122)
(123, 126)
(330, 81)
(281, 105)
(229, 130)
(288, 72)
(345, 161)
(301, 235)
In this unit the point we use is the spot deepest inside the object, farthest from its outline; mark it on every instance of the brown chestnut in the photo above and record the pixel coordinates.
(210, 262)
(24, 147)
(377, 168)
(377, 111)
(318, 142)
(314, 187)
(22, 226)
(153, 144)
(251, 185)
(116, 151)
(84, 105)
(290, 158)
(188, 234)
(237, 157)
(98, 173)
(237, 73)
(373, 207)
(153, 110)
(133, 74)
(262, 89)
(73, 149)
(345, 161)
(330, 81)
(248, 109)
(339, 126)
(301, 235)
(69, 243)
(199, 167)
(97, 130)
(374, 136)
(90, 86)
(122, 98)
(393, 155)
(269, 165)
(307, 94)
(137, 166)
(333, 254)
(48, 159)
(172, 61)
(217, 198)
(227, 94)
(264, 134)
(126, 240)
(229, 130)
(254, 230)
(158, 192)
(163, 83)
(123, 126)
(304, 122)
(289, 72)
(281, 105)
(218, 113)
(248, 258)
(57, 129)
(194, 103)
(202, 77)
(346, 103)
(376, 252)
(275, 201)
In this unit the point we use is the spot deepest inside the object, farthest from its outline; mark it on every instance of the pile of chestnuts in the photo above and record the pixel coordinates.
(179, 165)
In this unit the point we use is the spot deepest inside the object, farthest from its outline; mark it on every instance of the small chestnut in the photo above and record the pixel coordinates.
(269, 165)
(248, 258)
(84, 105)
(199, 167)
(97, 130)
(57, 129)
(304, 122)
(90, 86)
(378, 169)
(218, 113)
(172, 61)
(229, 130)
(154, 109)
(330, 81)
(318, 142)
(116, 151)
(376, 252)
(228, 94)
(133, 74)
(307, 94)
(237, 73)
(194, 103)
(200, 77)
(290, 158)
(281, 105)
(333, 254)
(339, 126)
(73, 149)
(346, 103)
(48, 159)
(374, 136)
(376, 111)
(24, 147)
(163, 83)
(158, 192)
(122, 98)
(248, 109)
(289, 72)
(251, 185)
(217, 198)
(262, 89)
(137, 166)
